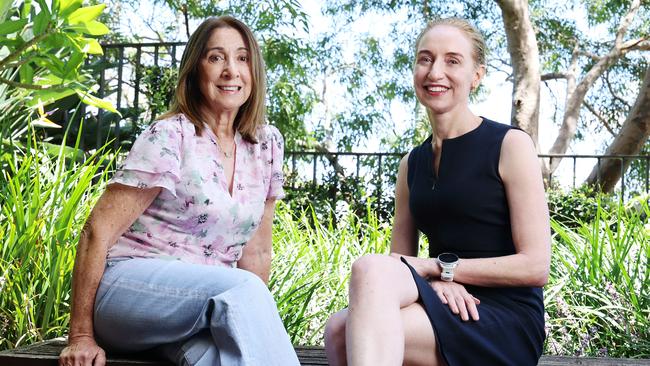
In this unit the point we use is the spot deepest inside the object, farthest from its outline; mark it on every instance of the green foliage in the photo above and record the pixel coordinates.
(311, 265)
(44, 200)
(159, 84)
(598, 295)
(44, 45)
(578, 205)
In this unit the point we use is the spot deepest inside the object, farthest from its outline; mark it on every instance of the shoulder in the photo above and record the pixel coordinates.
(517, 140)
(518, 154)
(177, 124)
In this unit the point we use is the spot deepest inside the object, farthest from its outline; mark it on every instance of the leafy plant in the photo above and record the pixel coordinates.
(44, 200)
(43, 45)
(599, 293)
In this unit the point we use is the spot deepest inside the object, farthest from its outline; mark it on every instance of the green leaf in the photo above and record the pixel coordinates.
(96, 102)
(86, 14)
(27, 8)
(40, 22)
(12, 26)
(26, 74)
(94, 28)
(48, 96)
(4, 9)
(56, 40)
(92, 47)
(66, 7)
(72, 66)
(49, 80)
(43, 5)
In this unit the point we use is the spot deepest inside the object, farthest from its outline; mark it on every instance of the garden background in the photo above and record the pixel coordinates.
(339, 90)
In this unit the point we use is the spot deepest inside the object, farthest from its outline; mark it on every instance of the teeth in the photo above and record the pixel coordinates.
(229, 88)
(436, 89)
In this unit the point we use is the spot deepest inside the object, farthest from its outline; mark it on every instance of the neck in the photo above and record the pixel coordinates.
(222, 124)
(450, 125)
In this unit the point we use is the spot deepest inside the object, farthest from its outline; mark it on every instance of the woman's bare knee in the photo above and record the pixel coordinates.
(335, 338)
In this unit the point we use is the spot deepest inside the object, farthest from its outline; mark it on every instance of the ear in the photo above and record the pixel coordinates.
(478, 76)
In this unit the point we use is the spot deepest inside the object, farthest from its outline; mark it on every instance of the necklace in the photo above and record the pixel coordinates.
(227, 154)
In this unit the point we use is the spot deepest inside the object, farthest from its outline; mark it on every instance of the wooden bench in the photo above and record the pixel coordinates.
(47, 354)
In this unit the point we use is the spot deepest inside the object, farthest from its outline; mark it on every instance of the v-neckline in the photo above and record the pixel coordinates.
(230, 190)
(435, 174)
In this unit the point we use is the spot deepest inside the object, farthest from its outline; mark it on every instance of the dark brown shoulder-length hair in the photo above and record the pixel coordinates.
(188, 97)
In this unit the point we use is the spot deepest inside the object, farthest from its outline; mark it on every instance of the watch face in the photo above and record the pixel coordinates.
(448, 258)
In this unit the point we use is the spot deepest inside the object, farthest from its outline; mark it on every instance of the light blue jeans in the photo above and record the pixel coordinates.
(193, 314)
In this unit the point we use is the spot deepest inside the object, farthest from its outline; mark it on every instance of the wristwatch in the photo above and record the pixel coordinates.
(447, 262)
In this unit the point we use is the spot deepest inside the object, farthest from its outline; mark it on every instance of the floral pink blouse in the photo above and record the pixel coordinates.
(194, 218)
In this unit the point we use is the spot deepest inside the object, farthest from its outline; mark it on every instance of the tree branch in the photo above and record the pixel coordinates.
(599, 117)
(592, 56)
(613, 92)
(636, 44)
(554, 76)
(24, 47)
(625, 22)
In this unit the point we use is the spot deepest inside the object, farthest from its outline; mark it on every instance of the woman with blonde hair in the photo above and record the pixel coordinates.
(176, 254)
(474, 188)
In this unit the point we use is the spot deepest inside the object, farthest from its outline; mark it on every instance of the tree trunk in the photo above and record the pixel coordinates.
(629, 141)
(524, 55)
(576, 97)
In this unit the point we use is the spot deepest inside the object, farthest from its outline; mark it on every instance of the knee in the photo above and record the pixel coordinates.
(253, 282)
(368, 270)
(335, 333)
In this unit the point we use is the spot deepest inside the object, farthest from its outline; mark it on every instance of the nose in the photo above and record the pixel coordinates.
(436, 71)
(230, 69)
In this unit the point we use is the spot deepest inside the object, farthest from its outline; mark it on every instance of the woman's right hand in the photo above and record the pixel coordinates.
(457, 298)
(82, 351)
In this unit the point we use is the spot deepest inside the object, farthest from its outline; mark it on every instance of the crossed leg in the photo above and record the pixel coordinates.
(384, 324)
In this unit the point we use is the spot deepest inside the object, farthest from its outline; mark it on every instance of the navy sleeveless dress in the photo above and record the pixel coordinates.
(463, 210)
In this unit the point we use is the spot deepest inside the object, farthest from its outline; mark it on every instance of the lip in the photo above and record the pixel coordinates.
(229, 88)
(435, 89)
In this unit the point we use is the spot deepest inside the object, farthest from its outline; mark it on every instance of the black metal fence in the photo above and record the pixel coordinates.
(376, 173)
(138, 79)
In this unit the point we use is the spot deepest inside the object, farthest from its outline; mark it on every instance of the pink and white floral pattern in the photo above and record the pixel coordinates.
(195, 218)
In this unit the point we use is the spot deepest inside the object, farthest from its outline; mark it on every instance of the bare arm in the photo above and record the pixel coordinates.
(529, 266)
(529, 219)
(117, 208)
(258, 250)
(404, 239)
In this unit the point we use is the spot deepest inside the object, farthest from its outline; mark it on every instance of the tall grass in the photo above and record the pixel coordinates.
(598, 296)
(44, 201)
(311, 265)
(597, 300)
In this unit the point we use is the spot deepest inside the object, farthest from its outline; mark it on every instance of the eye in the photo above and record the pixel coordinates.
(425, 60)
(243, 58)
(214, 58)
(453, 61)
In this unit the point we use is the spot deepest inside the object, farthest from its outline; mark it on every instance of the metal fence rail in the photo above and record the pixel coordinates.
(121, 70)
(379, 170)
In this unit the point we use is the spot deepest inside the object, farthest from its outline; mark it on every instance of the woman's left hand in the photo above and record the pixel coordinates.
(457, 298)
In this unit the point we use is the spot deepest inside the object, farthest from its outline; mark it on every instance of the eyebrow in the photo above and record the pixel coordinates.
(455, 54)
(218, 48)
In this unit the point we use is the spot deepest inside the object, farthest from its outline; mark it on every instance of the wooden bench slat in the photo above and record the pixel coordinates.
(46, 353)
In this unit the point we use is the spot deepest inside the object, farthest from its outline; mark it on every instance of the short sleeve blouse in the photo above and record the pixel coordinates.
(195, 218)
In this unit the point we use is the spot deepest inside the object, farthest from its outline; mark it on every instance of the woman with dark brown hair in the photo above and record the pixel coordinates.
(175, 255)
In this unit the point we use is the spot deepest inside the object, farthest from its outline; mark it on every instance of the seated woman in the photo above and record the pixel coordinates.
(176, 252)
(474, 188)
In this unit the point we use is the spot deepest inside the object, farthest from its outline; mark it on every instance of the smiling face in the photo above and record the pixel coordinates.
(445, 70)
(225, 72)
